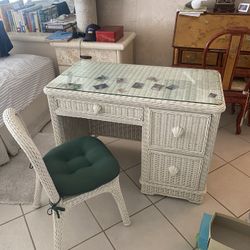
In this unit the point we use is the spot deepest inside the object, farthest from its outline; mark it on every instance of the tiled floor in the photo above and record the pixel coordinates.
(157, 222)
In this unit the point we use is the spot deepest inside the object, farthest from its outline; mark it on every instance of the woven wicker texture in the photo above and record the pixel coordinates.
(177, 130)
(43, 179)
(177, 84)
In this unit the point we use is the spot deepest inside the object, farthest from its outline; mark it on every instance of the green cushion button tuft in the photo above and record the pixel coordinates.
(81, 165)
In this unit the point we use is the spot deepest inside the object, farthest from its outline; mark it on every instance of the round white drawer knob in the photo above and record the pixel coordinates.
(173, 171)
(96, 108)
(177, 132)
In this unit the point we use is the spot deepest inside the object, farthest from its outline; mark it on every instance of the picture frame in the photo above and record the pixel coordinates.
(223, 6)
(243, 7)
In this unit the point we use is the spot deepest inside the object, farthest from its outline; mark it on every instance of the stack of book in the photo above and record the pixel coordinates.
(60, 36)
(26, 18)
(5, 14)
(186, 11)
(46, 14)
(62, 23)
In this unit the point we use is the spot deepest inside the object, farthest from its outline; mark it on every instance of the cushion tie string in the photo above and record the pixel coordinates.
(55, 208)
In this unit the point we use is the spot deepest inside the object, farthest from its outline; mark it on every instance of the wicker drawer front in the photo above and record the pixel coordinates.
(179, 132)
(119, 112)
(174, 170)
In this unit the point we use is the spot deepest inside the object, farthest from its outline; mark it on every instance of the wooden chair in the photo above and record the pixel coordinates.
(234, 92)
(74, 157)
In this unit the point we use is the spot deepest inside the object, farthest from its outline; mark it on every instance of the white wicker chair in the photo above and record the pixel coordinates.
(58, 204)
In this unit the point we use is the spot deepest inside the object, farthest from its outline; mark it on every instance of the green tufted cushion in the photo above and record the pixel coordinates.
(81, 165)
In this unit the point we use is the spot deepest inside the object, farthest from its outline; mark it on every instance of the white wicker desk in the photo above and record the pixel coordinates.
(177, 124)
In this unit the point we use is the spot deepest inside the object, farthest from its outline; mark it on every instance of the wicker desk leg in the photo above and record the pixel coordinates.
(56, 122)
(64, 127)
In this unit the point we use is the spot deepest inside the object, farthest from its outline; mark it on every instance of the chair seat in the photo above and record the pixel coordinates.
(81, 165)
(238, 85)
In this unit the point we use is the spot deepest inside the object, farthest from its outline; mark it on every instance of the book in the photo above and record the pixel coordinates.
(59, 26)
(45, 15)
(68, 29)
(186, 11)
(60, 36)
(62, 22)
(37, 25)
(4, 8)
(27, 18)
(10, 20)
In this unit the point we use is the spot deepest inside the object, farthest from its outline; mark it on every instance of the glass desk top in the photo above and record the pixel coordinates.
(153, 82)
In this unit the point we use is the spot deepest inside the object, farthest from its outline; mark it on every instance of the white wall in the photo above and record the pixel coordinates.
(152, 20)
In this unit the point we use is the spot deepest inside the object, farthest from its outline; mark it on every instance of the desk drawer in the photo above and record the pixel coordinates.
(174, 170)
(70, 56)
(110, 111)
(179, 132)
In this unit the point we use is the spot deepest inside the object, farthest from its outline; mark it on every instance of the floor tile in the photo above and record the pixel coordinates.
(227, 150)
(17, 180)
(9, 212)
(149, 230)
(16, 174)
(44, 201)
(246, 217)
(227, 118)
(104, 206)
(231, 188)
(15, 236)
(135, 173)
(47, 128)
(243, 164)
(107, 139)
(127, 152)
(245, 131)
(187, 216)
(216, 163)
(44, 142)
(98, 242)
(79, 225)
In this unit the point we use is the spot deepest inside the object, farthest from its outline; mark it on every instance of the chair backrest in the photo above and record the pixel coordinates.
(235, 38)
(19, 132)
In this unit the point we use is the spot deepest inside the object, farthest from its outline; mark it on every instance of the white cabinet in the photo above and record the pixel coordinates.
(68, 53)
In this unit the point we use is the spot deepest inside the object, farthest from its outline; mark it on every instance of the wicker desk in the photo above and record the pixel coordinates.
(174, 111)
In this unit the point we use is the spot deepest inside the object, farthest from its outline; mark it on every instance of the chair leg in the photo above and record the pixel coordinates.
(38, 192)
(239, 119)
(232, 108)
(248, 113)
(117, 194)
(58, 227)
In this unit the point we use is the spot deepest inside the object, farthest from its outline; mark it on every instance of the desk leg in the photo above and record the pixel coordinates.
(56, 122)
(66, 128)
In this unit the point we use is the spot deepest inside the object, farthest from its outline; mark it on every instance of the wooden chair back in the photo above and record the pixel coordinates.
(235, 37)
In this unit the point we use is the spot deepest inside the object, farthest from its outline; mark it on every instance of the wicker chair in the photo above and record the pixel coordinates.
(58, 205)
